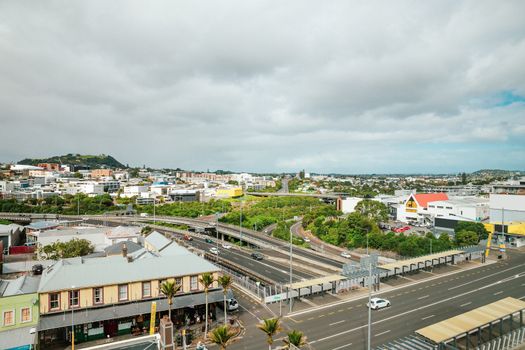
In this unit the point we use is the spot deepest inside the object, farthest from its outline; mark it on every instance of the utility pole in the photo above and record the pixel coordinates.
(154, 202)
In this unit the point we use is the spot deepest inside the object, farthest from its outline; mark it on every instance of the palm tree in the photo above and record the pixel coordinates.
(271, 327)
(296, 339)
(221, 336)
(206, 280)
(169, 289)
(226, 282)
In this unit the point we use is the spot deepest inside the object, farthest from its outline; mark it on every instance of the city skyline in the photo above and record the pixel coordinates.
(343, 88)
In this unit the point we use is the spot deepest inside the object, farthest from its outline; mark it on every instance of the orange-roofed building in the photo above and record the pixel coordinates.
(415, 208)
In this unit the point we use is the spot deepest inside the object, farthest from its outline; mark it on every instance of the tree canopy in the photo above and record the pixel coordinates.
(63, 250)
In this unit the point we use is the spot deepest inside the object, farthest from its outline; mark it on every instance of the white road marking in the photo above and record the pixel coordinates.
(523, 297)
(423, 297)
(378, 334)
(487, 276)
(417, 309)
(498, 293)
(424, 318)
(470, 302)
(342, 346)
(331, 324)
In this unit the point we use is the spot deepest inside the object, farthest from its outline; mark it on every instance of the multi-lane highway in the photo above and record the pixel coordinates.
(413, 307)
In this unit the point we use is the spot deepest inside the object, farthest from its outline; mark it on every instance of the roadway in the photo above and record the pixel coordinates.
(413, 306)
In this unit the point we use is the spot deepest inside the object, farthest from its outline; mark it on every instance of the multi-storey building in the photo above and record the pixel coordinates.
(104, 297)
(19, 312)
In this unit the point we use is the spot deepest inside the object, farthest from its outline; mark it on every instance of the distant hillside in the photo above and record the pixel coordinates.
(101, 160)
(497, 172)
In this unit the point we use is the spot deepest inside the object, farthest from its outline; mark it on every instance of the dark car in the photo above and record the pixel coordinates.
(257, 256)
(208, 240)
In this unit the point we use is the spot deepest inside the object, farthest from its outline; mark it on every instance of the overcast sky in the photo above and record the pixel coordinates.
(328, 86)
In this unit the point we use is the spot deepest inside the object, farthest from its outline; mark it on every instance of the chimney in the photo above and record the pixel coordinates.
(124, 250)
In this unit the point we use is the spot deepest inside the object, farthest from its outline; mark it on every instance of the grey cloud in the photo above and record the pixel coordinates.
(256, 86)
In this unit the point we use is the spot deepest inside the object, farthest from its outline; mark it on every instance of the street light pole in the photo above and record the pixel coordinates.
(240, 226)
(369, 302)
(154, 204)
(217, 234)
(72, 323)
(291, 273)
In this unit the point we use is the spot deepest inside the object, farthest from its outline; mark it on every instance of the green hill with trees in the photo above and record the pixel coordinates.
(92, 161)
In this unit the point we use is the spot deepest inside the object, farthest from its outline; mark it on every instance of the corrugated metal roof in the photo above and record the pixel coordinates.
(22, 285)
(82, 273)
(157, 240)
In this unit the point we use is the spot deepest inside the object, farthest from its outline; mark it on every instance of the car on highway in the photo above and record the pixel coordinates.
(378, 303)
(208, 240)
(214, 250)
(257, 256)
(188, 238)
(346, 255)
(226, 246)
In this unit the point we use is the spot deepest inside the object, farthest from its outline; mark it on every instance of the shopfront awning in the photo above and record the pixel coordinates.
(116, 311)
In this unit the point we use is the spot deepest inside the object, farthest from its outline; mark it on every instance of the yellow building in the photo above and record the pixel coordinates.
(229, 192)
(513, 232)
(112, 296)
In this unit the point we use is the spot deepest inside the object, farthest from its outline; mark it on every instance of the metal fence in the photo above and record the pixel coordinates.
(506, 342)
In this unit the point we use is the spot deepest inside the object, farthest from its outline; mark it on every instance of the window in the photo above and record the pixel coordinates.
(178, 282)
(194, 283)
(449, 207)
(98, 296)
(431, 206)
(9, 318)
(25, 314)
(54, 301)
(161, 282)
(440, 207)
(74, 298)
(122, 292)
(146, 289)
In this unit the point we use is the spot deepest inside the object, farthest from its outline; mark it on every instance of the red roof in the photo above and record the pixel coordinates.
(423, 198)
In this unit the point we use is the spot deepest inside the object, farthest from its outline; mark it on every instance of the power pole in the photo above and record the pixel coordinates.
(291, 272)
(369, 302)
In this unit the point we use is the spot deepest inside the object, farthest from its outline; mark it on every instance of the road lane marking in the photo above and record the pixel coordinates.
(378, 334)
(424, 318)
(332, 324)
(470, 302)
(498, 293)
(423, 297)
(481, 278)
(507, 279)
(342, 346)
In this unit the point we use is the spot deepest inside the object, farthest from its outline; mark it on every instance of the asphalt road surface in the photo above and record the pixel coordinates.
(344, 326)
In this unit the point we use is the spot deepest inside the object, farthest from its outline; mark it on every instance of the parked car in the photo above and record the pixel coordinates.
(208, 240)
(378, 303)
(226, 246)
(346, 255)
(214, 250)
(188, 238)
(231, 304)
(257, 256)
(306, 239)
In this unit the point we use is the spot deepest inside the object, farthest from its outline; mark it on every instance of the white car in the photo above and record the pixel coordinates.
(214, 250)
(346, 255)
(226, 246)
(378, 303)
(306, 239)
